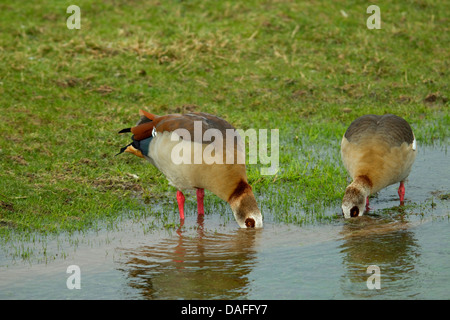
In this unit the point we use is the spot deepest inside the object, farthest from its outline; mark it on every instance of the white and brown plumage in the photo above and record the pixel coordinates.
(377, 151)
(155, 137)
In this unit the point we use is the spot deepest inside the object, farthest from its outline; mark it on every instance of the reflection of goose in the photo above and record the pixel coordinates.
(161, 139)
(194, 264)
(385, 243)
(377, 151)
(367, 226)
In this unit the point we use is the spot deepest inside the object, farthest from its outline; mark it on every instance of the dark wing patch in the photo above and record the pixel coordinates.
(142, 120)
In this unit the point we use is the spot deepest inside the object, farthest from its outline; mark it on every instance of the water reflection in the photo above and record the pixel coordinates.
(386, 243)
(193, 264)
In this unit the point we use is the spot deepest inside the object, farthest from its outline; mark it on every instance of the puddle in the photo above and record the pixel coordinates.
(211, 258)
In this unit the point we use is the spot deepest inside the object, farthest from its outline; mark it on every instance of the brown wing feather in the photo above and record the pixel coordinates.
(172, 122)
(148, 115)
(187, 121)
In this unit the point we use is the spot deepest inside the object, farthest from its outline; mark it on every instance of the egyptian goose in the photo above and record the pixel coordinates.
(167, 142)
(377, 151)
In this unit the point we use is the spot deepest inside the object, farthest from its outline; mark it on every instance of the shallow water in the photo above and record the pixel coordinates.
(211, 258)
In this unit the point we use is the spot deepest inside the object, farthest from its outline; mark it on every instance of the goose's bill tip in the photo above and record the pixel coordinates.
(250, 223)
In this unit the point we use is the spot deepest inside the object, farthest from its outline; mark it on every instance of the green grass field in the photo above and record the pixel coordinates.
(305, 68)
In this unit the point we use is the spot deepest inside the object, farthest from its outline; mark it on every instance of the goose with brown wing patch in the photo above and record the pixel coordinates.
(377, 151)
(178, 145)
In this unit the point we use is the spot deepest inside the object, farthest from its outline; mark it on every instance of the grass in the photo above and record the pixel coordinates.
(304, 68)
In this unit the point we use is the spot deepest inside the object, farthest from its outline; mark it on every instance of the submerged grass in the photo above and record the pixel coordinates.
(304, 68)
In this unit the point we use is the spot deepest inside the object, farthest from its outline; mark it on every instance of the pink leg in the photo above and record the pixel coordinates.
(200, 196)
(367, 204)
(180, 200)
(401, 191)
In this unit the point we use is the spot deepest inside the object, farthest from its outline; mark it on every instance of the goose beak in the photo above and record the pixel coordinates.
(250, 223)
